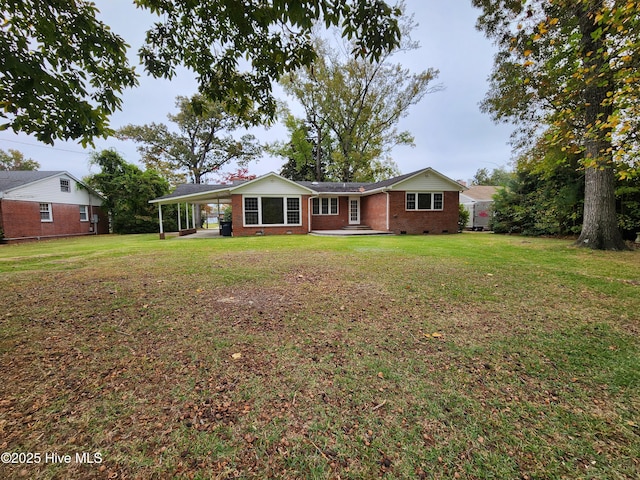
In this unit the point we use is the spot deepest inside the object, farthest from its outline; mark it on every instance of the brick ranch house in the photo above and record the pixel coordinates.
(39, 205)
(425, 201)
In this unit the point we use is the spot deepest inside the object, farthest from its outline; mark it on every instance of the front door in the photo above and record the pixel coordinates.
(354, 210)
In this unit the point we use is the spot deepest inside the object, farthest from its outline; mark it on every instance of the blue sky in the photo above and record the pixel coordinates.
(451, 134)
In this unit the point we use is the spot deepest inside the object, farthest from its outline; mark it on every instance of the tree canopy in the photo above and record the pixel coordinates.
(497, 177)
(14, 160)
(352, 108)
(64, 70)
(127, 190)
(202, 144)
(567, 73)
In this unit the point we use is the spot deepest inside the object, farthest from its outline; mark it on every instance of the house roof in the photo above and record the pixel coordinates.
(222, 193)
(18, 178)
(481, 193)
(12, 179)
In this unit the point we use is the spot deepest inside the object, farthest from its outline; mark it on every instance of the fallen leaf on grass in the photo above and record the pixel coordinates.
(433, 335)
(236, 356)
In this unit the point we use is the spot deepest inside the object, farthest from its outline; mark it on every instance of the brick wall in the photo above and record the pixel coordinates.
(21, 220)
(332, 222)
(417, 222)
(373, 211)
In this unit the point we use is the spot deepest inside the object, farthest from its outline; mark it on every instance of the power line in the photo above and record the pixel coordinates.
(45, 146)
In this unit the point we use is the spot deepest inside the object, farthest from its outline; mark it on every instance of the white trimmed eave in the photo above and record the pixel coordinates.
(221, 196)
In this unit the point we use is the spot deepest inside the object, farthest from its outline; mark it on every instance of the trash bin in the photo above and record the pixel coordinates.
(225, 229)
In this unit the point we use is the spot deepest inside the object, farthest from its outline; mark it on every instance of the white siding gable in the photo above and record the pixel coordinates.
(428, 181)
(271, 184)
(48, 191)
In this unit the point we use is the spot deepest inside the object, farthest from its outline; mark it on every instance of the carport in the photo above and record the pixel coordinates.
(189, 195)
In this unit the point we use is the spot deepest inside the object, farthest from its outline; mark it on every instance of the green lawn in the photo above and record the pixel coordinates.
(470, 356)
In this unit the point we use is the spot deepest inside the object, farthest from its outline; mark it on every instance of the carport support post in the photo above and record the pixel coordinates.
(179, 219)
(193, 216)
(160, 220)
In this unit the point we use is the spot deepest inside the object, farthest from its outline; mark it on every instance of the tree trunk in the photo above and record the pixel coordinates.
(600, 226)
(600, 222)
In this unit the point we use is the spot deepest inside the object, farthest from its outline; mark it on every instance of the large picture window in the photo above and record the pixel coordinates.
(270, 210)
(424, 201)
(324, 206)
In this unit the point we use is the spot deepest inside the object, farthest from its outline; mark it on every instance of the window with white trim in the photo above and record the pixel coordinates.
(84, 213)
(324, 206)
(271, 210)
(65, 185)
(424, 201)
(45, 212)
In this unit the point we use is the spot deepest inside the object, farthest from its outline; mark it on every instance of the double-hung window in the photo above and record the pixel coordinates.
(324, 206)
(272, 210)
(84, 213)
(45, 212)
(424, 201)
(65, 185)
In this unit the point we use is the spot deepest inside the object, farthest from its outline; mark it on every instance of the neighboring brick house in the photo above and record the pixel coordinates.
(420, 202)
(38, 205)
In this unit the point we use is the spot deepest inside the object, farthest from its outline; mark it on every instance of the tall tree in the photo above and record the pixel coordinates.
(571, 67)
(498, 176)
(307, 150)
(202, 144)
(63, 70)
(360, 102)
(14, 160)
(127, 191)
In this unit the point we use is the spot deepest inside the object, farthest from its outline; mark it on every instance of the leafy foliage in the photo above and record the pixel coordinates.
(62, 70)
(352, 107)
(568, 71)
(498, 177)
(14, 160)
(463, 217)
(534, 205)
(546, 196)
(217, 39)
(203, 143)
(307, 150)
(127, 191)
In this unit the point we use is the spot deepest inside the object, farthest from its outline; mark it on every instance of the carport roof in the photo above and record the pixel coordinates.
(195, 193)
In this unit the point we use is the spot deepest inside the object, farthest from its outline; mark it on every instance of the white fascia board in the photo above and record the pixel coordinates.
(200, 197)
(430, 171)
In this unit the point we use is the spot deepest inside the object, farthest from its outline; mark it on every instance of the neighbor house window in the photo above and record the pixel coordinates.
(325, 206)
(84, 213)
(65, 185)
(424, 201)
(272, 210)
(45, 212)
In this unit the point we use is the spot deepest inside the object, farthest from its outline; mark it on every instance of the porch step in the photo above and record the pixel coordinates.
(356, 227)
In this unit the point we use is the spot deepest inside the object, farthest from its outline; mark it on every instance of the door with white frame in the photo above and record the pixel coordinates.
(354, 210)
